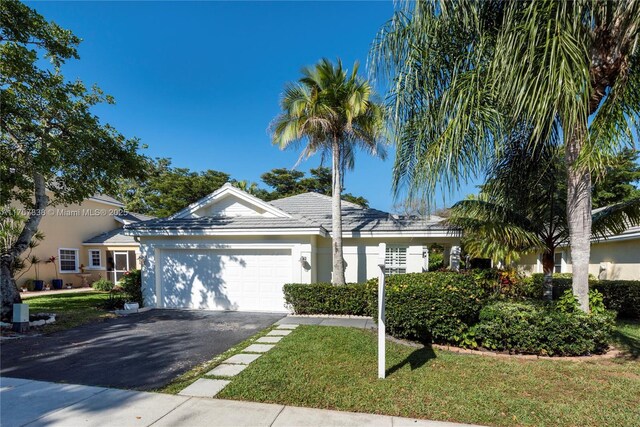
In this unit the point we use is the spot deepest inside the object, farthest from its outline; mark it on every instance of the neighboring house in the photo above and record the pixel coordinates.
(233, 251)
(616, 257)
(88, 234)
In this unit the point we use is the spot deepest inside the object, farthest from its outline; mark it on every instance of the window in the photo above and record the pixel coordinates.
(95, 260)
(395, 260)
(557, 261)
(68, 260)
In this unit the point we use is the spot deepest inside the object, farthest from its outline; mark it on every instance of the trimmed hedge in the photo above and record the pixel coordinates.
(432, 307)
(623, 296)
(535, 328)
(325, 298)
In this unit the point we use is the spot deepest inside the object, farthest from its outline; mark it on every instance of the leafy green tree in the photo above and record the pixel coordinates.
(167, 190)
(286, 182)
(332, 112)
(522, 209)
(50, 139)
(620, 180)
(465, 74)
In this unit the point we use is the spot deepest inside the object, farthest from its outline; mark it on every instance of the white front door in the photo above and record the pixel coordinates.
(245, 280)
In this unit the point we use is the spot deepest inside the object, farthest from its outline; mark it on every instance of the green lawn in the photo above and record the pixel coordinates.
(331, 367)
(72, 309)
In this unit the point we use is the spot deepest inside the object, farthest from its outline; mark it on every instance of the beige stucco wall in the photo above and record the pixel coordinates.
(622, 260)
(610, 260)
(67, 227)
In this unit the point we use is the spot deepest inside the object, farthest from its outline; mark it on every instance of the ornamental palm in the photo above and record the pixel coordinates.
(332, 112)
(465, 73)
(522, 208)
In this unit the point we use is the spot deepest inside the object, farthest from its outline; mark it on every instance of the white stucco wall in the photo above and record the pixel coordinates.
(361, 256)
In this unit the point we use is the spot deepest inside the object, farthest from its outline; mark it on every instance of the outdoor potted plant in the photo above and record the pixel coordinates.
(57, 282)
(38, 284)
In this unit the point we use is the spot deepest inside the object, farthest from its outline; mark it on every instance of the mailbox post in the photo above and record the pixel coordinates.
(20, 317)
(382, 248)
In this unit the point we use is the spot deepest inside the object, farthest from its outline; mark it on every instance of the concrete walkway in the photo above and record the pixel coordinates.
(353, 322)
(37, 403)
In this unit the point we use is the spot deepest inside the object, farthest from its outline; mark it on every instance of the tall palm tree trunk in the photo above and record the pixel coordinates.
(336, 211)
(579, 218)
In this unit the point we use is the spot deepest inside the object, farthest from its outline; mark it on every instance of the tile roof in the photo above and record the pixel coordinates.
(317, 208)
(114, 237)
(220, 223)
(308, 211)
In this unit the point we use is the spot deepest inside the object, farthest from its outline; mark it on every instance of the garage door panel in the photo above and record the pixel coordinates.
(224, 280)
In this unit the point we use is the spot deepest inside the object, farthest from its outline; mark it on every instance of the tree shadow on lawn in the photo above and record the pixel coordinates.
(629, 343)
(415, 360)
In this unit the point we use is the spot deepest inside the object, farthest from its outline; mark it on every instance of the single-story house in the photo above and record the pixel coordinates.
(233, 251)
(615, 258)
(87, 240)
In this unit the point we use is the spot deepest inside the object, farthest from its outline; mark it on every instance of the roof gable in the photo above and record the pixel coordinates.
(229, 201)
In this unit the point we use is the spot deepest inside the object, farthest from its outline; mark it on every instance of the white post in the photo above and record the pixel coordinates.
(382, 248)
(454, 258)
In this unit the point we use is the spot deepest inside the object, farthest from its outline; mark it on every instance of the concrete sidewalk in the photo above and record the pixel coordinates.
(37, 403)
(352, 322)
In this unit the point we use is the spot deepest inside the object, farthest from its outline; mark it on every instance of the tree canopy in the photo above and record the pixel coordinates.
(466, 74)
(51, 142)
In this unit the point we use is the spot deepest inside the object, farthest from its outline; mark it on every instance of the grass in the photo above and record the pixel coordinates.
(335, 368)
(627, 337)
(72, 309)
(201, 370)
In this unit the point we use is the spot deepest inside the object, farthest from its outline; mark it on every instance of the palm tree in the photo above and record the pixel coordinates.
(465, 73)
(522, 208)
(332, 112)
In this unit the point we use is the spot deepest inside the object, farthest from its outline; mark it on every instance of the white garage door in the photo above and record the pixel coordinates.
(245, 280)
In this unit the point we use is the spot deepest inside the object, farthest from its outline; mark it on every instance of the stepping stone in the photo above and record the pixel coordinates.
(242, 359)
(204, 388)
(225, 370)
(287, 326)
(279, 332)
(259, 348)
(268, 340)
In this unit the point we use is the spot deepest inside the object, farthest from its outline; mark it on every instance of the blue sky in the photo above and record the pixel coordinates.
(199, 82)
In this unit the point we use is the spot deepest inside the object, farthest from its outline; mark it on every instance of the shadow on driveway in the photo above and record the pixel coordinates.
(142, 352)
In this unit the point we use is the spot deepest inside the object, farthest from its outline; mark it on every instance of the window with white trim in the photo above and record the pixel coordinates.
(68, 260)
(557, 262)
(95, 259)
(395, 260)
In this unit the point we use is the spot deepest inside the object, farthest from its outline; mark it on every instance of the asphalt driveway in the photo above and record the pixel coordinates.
(142, 352)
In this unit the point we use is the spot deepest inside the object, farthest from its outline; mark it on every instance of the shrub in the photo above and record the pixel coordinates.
(325, 298)
(436, 261)
(432, 307)
(103, 284)
(537, 328)
(622, 296)
(131, 284)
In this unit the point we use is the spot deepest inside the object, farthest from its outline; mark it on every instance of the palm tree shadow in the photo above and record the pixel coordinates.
(628, 343)
(415, 360)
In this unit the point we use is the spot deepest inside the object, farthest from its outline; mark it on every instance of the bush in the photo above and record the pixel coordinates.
(131, 284)
(103, 284)
(436, 261)
(325, 298)
(622, 296)
(432, 307)
(537, 328)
